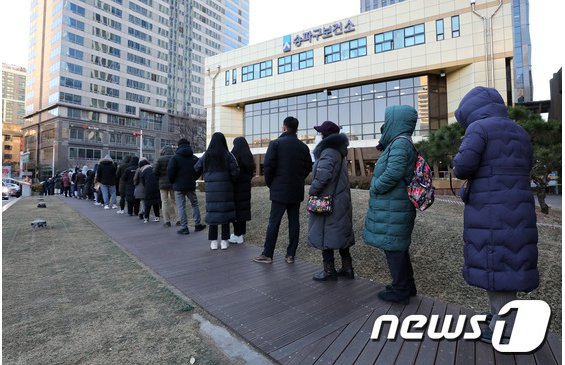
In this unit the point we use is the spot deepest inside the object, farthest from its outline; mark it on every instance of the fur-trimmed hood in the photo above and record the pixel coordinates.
(336, 141)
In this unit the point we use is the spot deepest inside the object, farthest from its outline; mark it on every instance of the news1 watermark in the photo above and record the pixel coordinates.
(528, 333)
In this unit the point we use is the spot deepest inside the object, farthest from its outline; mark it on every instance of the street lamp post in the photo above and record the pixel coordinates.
(488, 36)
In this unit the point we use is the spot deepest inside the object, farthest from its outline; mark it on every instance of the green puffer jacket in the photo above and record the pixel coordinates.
(390, 219)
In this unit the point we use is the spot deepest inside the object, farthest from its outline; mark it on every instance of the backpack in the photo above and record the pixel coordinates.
(420, 188)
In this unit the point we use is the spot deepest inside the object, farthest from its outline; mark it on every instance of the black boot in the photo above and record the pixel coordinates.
(412, 291)
(329, 273)
(346, 268)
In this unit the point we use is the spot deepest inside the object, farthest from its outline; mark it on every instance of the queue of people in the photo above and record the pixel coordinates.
(495, 157)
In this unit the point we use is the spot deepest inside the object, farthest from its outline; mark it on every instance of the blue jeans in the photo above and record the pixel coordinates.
(181, 207)
(108, 189)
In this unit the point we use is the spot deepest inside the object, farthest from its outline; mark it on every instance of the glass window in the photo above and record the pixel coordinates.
(345, 50)
(400, 38)
(455, 26)
(227, 78)
(439, 30)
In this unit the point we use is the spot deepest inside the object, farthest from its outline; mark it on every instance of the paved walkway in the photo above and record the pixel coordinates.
(279, 309)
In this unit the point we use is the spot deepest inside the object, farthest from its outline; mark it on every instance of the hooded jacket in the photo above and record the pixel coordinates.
(160, 168)
(390, 219)
(333, 231)
(500, 221)
(106, 172)
(127, 178)
(119, 172)
(242, 186)
(180, 169)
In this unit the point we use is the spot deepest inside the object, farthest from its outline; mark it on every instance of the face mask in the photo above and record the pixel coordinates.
(318, 138)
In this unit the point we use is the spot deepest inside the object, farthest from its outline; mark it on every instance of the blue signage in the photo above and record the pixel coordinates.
(323, 32)
(286, 43)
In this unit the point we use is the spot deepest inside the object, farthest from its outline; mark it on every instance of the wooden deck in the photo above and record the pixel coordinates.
(281, 311)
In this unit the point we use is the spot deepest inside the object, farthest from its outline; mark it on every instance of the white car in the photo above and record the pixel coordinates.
(5, 191)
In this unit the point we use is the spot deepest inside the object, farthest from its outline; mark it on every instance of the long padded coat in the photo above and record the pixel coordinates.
(220, 204)
(160, 168)
(242, 187)
(390, 219)
(500, 221)
(330, 175)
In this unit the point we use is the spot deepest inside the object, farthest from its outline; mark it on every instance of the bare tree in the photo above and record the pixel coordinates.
(194, 130)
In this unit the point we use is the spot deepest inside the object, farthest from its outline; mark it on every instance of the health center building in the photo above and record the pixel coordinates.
(427, 54)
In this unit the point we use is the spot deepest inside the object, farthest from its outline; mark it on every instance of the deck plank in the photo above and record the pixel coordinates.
(279, 310)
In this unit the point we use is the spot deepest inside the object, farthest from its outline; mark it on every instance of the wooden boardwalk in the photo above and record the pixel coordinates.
(281, 311)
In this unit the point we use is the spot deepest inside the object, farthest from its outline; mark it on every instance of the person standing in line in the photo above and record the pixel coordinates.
(391, 215)
(121, 185)
(330, 177)
(106, 176)
(165, 187)
(80, 179)
(500, 233)
(287, 163)
(139, 190)
(220, 170)
(129, 185)
(242, 188)
(66, 184)
(150, 184)
(182, 175)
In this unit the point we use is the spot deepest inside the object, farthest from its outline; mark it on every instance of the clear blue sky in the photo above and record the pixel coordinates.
(274, 18)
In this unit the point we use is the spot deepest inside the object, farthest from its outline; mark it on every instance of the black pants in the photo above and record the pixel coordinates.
(213, 232)
(328, 255)
(133, 207)
(277, 212)
(148, 210)
(239, 228)
(122, 200)
(401, 271)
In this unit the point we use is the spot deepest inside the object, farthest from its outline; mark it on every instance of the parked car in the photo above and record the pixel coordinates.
(5, 191)
(14, 189)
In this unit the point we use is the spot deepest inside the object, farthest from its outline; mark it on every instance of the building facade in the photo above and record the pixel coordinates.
(424, 54)
(13, 106)
(105, 76)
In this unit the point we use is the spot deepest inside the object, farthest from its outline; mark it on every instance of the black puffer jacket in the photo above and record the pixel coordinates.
(287, 163)
(242, 187)
(160, 168)
(181, 171)
(127, 178)
(106, 172)
(220, 204)
(151, 184)
(119, 172)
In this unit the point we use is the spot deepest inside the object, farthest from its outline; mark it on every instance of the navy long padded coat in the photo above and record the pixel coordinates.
(500, 221)
(390, 218)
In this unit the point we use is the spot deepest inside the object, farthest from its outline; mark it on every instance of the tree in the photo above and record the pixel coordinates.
(441, 146)
(546, 142)
(194, 130)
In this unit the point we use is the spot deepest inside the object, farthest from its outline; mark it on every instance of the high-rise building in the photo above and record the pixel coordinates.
(522, 89)
(105, 76)
(13, 98)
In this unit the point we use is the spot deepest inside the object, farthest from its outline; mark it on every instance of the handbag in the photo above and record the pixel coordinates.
(323, 204)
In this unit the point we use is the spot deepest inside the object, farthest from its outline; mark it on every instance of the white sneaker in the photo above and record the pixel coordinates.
(214, 245)
(114, 206)
(145, 220)
(106, 207)
(236, 239)
(224, 244)
(120, 212)
(156, 219)
(96, 203)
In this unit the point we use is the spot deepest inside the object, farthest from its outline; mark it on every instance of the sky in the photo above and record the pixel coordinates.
(271, 19)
